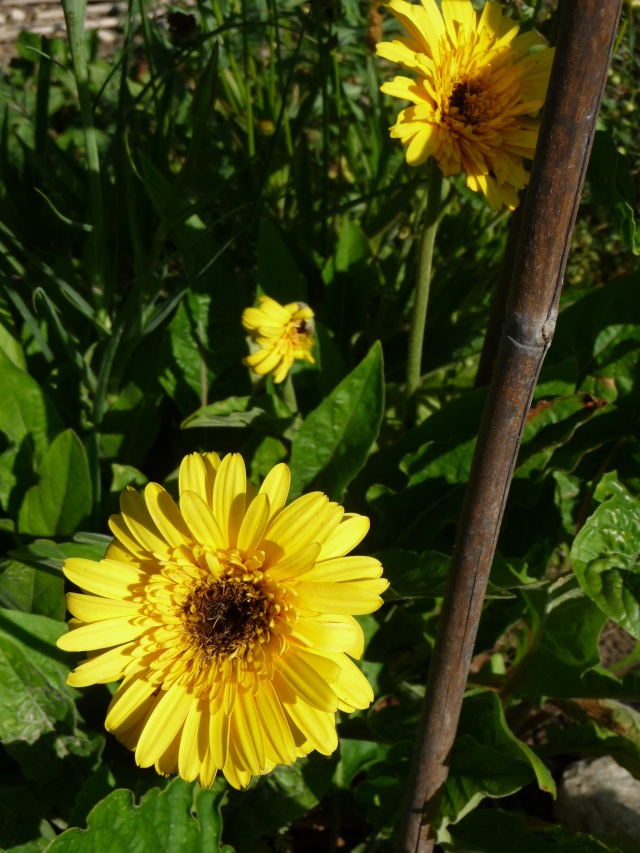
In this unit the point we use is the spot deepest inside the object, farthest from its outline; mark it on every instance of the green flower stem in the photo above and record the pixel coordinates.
(289, 394)
(423, 280)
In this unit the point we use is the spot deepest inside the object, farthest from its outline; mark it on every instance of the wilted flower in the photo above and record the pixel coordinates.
(480, 85)
(230, 620)
(283, 333)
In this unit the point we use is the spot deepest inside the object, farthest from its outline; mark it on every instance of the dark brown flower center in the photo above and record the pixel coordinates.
(469, 101)
(224, 617)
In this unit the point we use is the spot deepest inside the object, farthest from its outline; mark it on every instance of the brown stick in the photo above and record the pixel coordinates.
(585, 42)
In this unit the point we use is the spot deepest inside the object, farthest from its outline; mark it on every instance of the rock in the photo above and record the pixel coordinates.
(599, 797)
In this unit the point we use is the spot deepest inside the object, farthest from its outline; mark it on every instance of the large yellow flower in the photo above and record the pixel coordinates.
(479, 88)
(230, 620)
(283, 333)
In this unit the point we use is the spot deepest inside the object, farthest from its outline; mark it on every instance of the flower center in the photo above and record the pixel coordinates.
(225, 618)
(469, 101)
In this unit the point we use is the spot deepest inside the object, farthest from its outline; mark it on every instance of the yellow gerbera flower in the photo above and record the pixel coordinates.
(475, 99)
(230, 620)
(283, 333)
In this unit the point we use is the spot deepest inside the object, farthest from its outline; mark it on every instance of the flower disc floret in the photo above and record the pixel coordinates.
(229, 619)
(475, 102)
(283, 333)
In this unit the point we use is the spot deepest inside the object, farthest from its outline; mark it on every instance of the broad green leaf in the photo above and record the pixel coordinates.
(495, 831)
(31, 589)
(32, 581)
(162, 823)
(265, 413)
(487, 759)
(9, 344)
(188, 381)
(355, 757)
(278, 274)
(604, 555)
(126, 475)
(63, 498)
(611, 183)
(414, 575)
(560, 645)
(34, 697)
(335, 440)
(552, 424)
(602, 332)
(25, 413)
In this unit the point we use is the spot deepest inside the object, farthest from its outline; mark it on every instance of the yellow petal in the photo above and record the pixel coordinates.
(331, 633)
(349, 533)
(318, 726)
(297, 563)
(275, 728)
(165, 722)
(254, 525)
(107, 578)
(91, 608)
(102, 635)
(194, 743)
(246, 733)
(342, 569)
(121, 531)
(193, 476)
(276, 487)
(229, 496)
(101, 669)
(166, 516)
(297, 525)
(208, 771)
(306, 682)
(348, 598)
(130, 703)
(219, 738)
(138, 520)
(167, 763)
(201, 522)
(352, 686)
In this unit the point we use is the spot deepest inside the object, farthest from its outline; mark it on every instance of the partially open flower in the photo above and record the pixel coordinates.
(229, 619)
(283, 334)
(475, 101)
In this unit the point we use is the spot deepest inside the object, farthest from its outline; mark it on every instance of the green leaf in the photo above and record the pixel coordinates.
(335, 440)
(162, 822)
(24, 410)
(494, 831)
(63, 498)
(605, 553)
(563, 643)
(414, 575)
(9, 344)
(278, 274)
(126, 475)
(611, 182)
(602, 332)
(265, 413)
(32, 581)
(33, 672)
(32, 590)
(487, 759)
